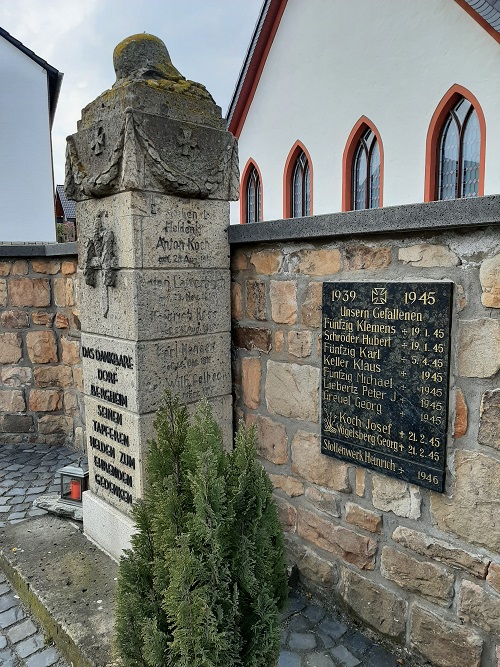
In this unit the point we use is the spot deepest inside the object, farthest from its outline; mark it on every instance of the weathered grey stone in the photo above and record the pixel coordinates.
(479, 348)
(489, 275)
(480, 608)
(428, 255)
(489, 425)
(16, 424)
(442, 551)
(292, 390)
(324, 500)
(443, 643)
(391, 495)
(311, 464)
(374, 604)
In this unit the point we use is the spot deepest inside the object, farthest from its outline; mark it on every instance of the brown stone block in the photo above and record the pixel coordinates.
(12, 400)
(14, 319)
(480, 608)
(311, 306)
(391, 495)
(363, 518)
(374, 604)
(75, 320)
(287, 514)
(60, 292)
(256, 299)
(489, 425)
(55, 425)
(19, 268)
(70, 351)
(489, 275)
(289, 485)
(272, 440)
(283, 297)
(493, 577)
(321, 262)
(31, 292)
(78, 378)
(266, 262)
(479, 348)
(45, 400)
(61, 321)
(346, 544)
(360, 481)
(430, 547)
(279, 341)
(362, 257)
(324, 500)
(312, 567)
(460, 424)
(68, 267)
(16, 424)
(442, 642)
(422, 577)
(10, 348)
(71, 403)
(5, 268)
(42, 348)
(472, 512)
(3, 293)
(16, 376)
(236, 302)
(70, 292)
(239, 260)
(428, 255)
(252, 338)
(42, 319)
(300, 343)
(53, 376)
(292, 390)
(315, 467)
(251, 373)
(50, 266)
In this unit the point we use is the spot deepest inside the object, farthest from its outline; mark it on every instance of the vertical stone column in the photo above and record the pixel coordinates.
(152, 169)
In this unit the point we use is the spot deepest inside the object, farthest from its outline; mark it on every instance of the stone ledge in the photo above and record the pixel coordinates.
(38, 249)
(433, 216)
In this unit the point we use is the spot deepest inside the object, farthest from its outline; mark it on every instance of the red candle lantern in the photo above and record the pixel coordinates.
(74, 481)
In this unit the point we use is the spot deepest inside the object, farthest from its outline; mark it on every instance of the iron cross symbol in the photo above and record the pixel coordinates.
(99, 141)
(101, 257)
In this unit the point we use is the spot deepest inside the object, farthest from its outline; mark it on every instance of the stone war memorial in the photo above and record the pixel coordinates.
(152, 169)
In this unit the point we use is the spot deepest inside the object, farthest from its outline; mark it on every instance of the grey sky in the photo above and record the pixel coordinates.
(207, 41)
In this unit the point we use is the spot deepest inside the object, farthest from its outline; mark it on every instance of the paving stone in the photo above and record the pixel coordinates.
(289, 659)
(326, 640)
(7, 602)
(7, 658)
(8, 618)
(36, 512)
(38, 489)
(3, 642)
(357, 643)
(17, 491)
(44, 659)
(345, 657)
(314, 613)
(19, 632)
(319, 660)
(300, 624)
(334, 629)
(4, 509)
(4, 588)
(17, 515)
(30, 645)
(377, 657)
(301, 641)
(17, 500)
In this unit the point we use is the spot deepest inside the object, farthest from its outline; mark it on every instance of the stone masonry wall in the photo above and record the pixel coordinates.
(40, 366)
(419, 567)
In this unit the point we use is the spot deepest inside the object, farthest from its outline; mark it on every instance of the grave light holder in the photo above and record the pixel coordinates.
(74, 481)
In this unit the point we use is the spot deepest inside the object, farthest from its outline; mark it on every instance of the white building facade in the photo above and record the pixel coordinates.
(320, 75)
(30, 87)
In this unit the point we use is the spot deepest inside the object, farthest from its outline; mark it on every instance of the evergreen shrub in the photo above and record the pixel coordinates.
(205, 579)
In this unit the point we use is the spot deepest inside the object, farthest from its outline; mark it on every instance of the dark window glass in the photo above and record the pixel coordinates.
(253, 197)
(366, 173)
(301, 187)
(458, 167)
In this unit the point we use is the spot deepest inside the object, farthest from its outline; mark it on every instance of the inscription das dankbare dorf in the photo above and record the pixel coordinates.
(385, 370)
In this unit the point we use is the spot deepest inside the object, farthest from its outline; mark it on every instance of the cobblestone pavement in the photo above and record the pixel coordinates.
(310, 637)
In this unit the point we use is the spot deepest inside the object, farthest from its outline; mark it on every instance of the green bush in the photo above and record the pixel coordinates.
(205, 579)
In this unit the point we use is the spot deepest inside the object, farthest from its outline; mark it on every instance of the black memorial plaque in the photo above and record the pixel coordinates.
(385, 368)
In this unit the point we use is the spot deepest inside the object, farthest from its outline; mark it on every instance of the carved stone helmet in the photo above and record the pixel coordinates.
(142, 57)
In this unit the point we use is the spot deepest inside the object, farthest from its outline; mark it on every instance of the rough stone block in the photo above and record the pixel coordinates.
(30, 292)
(374, 604)
(16, 376)
(283, 296)
(427, 255)
(42, 347)
(266, 262)
(292, 390)
(10, 348)
(363, 518)
(279, 341)
(255, 299)
(444, 552)
(45, 400)
(236, 302)
(478, 348)
(460, 424)
(78, 379)
(471, 513)
(480, 608)
(42, 319)
(71, 406)
(68, 267)
(422, 577)
(300, 343)
(489, 275)
(289, 485)
(15, 319)
(252, 338)
(239, 260)
(19, 268)
(251, 373)
(60, 292)
(272, 441)
(4, 268)
(324, 500)
(493, 577)
(315, 467)
(391, 495)
(320, 262)
(12, 400)
(52, 376)
(311, 306)
(3, 293)
(362, 257)
(16, 424)
(48, 266)
(312, 567)
(61, 321)
(348, 545)
(489, 425)
(287, 514)
(360, 481)
(442, 642)
(70, 351)
(55, 425)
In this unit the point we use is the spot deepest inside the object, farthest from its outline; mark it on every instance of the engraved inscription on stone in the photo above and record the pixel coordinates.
(385, 369)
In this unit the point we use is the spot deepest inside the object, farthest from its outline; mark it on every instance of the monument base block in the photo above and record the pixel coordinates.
(107, 527)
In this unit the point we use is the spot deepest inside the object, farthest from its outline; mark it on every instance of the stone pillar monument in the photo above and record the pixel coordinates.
(152, 169)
